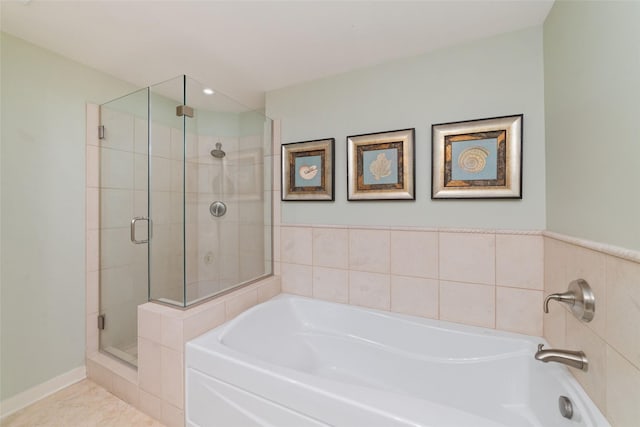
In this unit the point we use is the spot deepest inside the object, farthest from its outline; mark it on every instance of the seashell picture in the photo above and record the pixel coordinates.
(307, 168)
(381, 165)
(477, 159)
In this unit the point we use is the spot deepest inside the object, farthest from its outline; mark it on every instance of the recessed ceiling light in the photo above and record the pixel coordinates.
(207, 91)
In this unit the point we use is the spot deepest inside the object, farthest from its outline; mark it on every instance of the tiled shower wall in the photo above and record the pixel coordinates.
(483, 278)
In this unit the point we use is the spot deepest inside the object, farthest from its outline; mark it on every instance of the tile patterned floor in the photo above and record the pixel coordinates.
(84, 404)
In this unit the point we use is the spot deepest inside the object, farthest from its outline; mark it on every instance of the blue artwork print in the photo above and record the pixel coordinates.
(380, 166)
(308, 171)
(475, 159)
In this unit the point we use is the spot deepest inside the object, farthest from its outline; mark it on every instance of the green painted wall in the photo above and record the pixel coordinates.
(43, 211)
(492, 77)
(592, 115)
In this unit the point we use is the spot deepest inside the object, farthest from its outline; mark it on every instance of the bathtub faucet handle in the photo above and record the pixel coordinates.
(566, 297)
(580, 299)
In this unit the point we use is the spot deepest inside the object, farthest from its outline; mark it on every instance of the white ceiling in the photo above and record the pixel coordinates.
(245, 48)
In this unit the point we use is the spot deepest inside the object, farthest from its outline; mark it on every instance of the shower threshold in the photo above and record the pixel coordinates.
(127, 354)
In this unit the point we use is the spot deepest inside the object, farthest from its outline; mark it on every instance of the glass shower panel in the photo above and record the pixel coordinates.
(209, 201)
(228, 206)
(167, 177)
(123, 196)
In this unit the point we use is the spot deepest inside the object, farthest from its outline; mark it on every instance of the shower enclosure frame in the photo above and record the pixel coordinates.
(149, 235)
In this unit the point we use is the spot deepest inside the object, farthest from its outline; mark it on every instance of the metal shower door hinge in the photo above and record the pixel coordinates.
(101, 321)
(101, 132)
(184, 110)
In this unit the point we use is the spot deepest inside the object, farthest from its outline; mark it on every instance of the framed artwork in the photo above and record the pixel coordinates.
(380, 166)
(307, 170)
(477, 159)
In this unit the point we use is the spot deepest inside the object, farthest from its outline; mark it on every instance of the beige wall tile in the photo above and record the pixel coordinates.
(467, 257)
(519, 310)
(331, 247)
(554, 322)
(623, 308)
(296, 245)
(141, 135)
(370, 290)
(99, 374)
(237, 303)
(172, 377)
(520, 261)
(471, 304)
(172, 329)
(589, 265)
(116, 168)
(580, 337)
(150, 404)
(149, 366)
(92, 334)
(414, 253)
(119, 130)
(369, 250)
(555, 265)
(93, 208)
(622, 390)
(115, 247)
(160, 172)
(161, 142)
(149, 323)
(276, 244)
(93, 250)
(414, 295)
(116, 207)
(93, 166)
(204, 320)
(125, 390)
(92, 296)
(331, 284)
(172, 416)
(268, 289)
(277, 209)
(297, 279)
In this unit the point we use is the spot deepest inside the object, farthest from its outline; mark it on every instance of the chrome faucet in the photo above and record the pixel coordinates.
(575, 359)
(579, 298)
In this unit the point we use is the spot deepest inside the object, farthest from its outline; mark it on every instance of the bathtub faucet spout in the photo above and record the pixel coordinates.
(575, 359)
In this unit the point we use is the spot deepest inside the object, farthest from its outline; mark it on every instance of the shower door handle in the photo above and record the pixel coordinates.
(133, 229)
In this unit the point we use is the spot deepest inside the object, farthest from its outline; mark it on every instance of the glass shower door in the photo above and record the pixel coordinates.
(123, 197)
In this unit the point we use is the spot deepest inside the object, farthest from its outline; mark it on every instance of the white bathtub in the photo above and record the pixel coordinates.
(295, 361)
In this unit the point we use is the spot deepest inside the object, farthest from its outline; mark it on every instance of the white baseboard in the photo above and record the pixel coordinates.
(27, 397)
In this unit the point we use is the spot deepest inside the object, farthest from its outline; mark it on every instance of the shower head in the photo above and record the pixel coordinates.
(217, 152)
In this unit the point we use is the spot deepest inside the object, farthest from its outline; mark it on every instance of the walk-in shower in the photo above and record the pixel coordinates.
(165, 181)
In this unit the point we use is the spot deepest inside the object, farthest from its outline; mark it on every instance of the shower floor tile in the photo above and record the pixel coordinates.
(84, 404)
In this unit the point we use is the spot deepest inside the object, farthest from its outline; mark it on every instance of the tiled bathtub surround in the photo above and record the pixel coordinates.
(484, 278)
(612, 340)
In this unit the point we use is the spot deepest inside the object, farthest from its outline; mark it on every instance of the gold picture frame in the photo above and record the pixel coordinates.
(477, 159)
(380, 166)
(307, 170)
